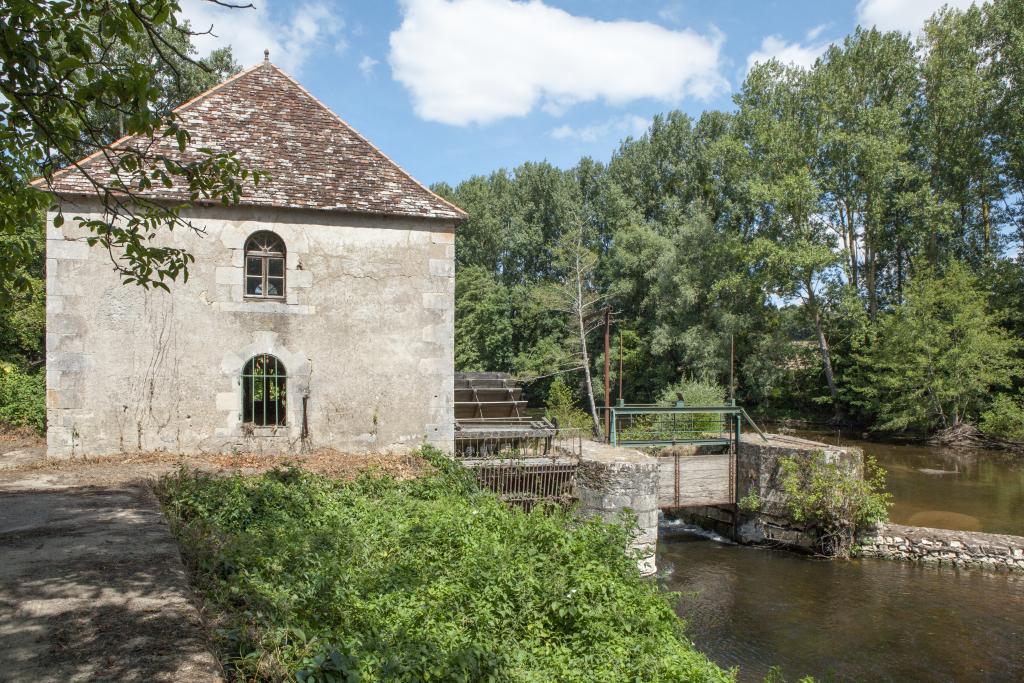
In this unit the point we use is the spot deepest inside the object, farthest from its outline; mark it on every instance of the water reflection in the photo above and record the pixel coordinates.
(862, 620)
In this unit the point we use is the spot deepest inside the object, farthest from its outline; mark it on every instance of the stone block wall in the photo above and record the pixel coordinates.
(943, 547)
(759, 471)
(366, 334)
(612, 480)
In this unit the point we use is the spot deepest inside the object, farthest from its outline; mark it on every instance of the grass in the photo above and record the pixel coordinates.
(311, 578)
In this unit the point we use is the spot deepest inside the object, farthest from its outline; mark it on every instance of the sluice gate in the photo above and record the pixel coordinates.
(698, 445)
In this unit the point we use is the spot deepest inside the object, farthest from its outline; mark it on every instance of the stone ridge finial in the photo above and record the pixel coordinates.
(266, 55)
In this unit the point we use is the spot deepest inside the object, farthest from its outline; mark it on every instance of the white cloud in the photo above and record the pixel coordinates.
(630, 124)
(774, 47)
(672, 13)
(366, 65)
(292, 39)
(901, 15)
(466, 61)
(817, 31)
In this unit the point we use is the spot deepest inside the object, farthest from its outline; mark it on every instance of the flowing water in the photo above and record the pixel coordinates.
(866, 620)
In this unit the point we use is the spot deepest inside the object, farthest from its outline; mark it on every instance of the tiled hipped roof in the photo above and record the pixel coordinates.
(314, 159)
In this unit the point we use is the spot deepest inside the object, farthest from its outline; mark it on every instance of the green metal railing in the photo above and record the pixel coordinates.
(661, 425)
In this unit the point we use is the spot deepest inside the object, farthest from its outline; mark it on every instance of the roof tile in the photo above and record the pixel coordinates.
(314, 159)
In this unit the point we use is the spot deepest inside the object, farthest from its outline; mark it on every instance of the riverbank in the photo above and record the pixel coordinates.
(965, 437)
(943, 547)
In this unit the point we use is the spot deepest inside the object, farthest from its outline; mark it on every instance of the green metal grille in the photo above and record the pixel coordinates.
(264, 391)
(659, 425)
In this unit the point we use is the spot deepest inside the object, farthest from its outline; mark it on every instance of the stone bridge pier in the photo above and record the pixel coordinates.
(610, 481)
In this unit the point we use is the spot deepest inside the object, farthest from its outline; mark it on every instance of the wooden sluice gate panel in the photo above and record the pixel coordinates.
(692, 480)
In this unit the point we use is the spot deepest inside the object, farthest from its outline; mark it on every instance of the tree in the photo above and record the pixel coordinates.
(574, 296)
(957, 122)
(778, 121)
(68, 71)
(483, 326)
(866, 91)
(938, 356)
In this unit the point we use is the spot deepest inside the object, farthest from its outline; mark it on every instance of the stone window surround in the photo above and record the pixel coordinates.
(230, 278)
(250, 251)
(297, 381)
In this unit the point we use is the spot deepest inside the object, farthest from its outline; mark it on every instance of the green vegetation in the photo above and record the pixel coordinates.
(1004, 418)
(22, 398)
(562, 406)
(938, 354)
(314, 579)
(74, 76)
(834, 499)
(853, 227)
(750, 503)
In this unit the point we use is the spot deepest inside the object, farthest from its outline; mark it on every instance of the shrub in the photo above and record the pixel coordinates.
(690, 425)
(562, 406)
(834, 499)
(750, 503)
(1004, 418)
(22, 398)
(429, 579)
(694, 393)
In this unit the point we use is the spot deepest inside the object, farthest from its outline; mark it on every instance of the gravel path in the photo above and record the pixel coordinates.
(92, 588)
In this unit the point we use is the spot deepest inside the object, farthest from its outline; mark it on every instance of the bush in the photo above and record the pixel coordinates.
(431, 579)
(22, 398)
(562, 406)
(1004, 418)
(834, 499)
(694, 393)
(686, 426)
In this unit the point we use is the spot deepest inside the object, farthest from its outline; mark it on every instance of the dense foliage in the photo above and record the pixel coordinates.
(74, 76)
(833, 498)
(1004, 418)
(120, 68)
(424, 580)
(812, 229)
(22, 398)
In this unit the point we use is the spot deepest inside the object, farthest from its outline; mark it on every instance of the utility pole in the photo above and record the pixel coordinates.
(732, 368)
(607, 371)
(620, 366)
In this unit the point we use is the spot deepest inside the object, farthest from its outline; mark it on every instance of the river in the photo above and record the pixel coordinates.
(866, 620)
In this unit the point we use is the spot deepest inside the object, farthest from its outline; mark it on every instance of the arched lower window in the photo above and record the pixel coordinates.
(264, 266)
(264, 391)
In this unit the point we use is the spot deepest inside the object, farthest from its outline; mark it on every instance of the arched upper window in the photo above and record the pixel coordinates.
(264, 391)
(264, 266)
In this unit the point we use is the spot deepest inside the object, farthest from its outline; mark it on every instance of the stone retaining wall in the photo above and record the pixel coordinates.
(943, 546)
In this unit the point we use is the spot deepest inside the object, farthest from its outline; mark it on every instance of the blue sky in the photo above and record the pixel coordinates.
(454, 88)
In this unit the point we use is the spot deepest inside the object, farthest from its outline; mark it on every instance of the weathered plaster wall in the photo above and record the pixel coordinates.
(367, 334)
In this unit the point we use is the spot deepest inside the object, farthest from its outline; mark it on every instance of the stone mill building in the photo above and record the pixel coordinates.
(319, 311)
